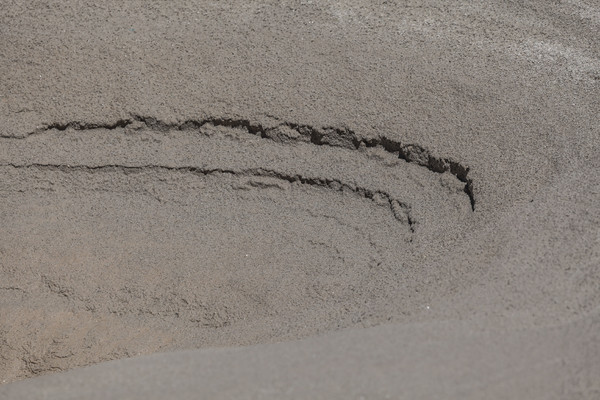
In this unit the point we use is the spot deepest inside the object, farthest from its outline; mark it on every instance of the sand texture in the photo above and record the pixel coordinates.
(300, 199)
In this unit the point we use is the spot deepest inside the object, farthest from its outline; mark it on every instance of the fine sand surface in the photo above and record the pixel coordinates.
(300, 199)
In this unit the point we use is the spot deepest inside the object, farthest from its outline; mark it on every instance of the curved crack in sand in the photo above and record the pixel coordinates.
(398, 209)
(329, 136)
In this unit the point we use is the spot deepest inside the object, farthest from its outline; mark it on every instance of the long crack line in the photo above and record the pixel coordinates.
(400, 210)
(329, 136)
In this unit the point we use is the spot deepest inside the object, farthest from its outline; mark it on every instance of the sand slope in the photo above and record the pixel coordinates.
(428, 360)
(421, 176)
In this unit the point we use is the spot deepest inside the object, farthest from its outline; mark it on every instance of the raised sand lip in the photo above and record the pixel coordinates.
(185, 175)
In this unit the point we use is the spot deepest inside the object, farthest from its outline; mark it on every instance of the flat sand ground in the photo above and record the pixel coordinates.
(300, 199)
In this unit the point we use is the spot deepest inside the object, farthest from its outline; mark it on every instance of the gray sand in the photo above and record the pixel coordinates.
(300, 200)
